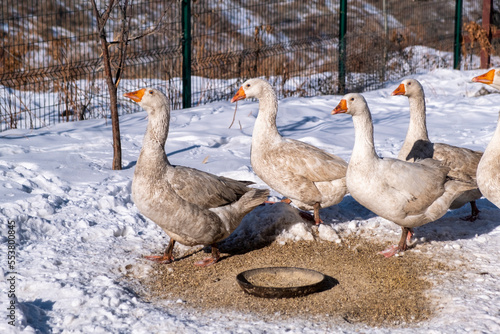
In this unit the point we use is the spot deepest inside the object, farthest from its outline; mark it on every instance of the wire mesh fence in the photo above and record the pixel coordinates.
(51, 68)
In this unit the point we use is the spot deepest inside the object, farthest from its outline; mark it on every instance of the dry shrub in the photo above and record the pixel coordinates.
(71, 106)
(12, 57)
(478, 37)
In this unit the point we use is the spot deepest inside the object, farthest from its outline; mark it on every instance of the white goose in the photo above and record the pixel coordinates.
(311, 178)
(408, 194)
(488, 170)
(462, 161)
(191, 206)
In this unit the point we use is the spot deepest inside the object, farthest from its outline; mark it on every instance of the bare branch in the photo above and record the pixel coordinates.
(146, 32)
(123, 39)
(102, 18)
(234, 115)
(107, 13)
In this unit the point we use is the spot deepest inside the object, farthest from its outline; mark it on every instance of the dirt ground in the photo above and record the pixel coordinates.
(362, 285)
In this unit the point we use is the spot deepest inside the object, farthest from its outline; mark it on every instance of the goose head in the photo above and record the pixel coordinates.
(408, 87)
(252, 88)
(352, 104)
(150, 99)
(492, 78)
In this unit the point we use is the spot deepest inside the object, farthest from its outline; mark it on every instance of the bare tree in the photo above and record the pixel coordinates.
(112, 81)
(121, 40)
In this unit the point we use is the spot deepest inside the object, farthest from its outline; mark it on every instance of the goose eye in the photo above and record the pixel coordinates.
(352, 98)
(409, 83)
(151, 92)
(248, 85)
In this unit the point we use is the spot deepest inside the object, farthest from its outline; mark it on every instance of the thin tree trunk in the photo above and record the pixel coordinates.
(115, 122)
(112, 88)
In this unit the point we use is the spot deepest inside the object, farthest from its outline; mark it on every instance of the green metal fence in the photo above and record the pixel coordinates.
(200, 51)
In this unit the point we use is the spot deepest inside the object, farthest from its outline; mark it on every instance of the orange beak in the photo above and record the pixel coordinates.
(340, 108)
(240, 95)
(400, 90)
(486, 78)
(137, 95)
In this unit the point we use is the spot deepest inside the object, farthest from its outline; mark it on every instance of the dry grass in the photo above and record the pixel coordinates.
(363, 286)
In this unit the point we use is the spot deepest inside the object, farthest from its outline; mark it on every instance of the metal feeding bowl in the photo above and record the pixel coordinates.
(280, 282)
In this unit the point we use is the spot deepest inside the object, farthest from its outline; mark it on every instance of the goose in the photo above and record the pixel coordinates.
(488, 170)
(462, 161)
(192, 207)
(408, 194)
(307, 176)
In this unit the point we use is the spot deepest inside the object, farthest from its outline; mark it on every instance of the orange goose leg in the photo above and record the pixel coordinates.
(317, 219)
(406, 235)
(210, 260)
(167, 257)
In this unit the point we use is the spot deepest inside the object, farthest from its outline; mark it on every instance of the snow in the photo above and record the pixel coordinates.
(77, 228)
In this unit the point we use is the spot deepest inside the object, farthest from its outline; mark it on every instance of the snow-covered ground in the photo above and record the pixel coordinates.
(76, 227)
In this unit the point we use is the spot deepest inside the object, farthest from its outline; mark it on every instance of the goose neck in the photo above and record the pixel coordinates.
(265, 125)
(417, 129)
(156, 132)
(363, 138)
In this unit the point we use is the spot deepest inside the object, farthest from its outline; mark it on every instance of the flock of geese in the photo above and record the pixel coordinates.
(425, 181)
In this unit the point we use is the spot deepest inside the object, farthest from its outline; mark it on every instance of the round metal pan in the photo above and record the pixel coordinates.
(280, 282)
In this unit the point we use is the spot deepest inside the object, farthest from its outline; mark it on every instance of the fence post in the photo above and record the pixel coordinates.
(458, 35)
(342, 46)
(487, 9)
(386, 39)
(186, 53)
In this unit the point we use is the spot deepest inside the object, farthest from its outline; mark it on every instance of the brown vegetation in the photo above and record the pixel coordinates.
(478, 38)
